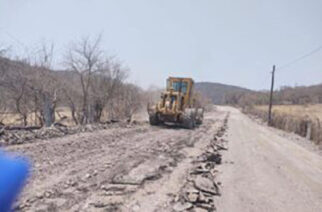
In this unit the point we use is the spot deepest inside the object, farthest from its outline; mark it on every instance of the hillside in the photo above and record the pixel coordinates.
(228, 94)
(217, 91)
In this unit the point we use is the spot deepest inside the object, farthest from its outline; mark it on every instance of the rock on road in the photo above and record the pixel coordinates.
(266, 171)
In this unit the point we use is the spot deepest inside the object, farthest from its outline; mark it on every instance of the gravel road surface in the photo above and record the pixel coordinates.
(265, 171)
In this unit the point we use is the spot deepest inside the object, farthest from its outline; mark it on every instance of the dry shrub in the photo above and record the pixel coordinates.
(290, 123)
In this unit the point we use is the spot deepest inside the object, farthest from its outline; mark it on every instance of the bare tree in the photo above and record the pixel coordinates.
(106, 83)
(71, 97)
(44, 55)
(47, 85)
(132, 100)
(100, 77)
(32, 86)
(4, 63)
(84, 58)
(92, 86)
(15, 83)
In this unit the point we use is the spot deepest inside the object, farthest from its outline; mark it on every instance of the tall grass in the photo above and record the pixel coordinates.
(299, 123)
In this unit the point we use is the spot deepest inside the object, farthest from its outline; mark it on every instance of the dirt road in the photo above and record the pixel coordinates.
(265, 171)
(144, 168)
(134, 168)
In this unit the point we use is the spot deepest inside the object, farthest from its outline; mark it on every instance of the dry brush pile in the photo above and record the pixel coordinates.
(18, 135)
(301, 125)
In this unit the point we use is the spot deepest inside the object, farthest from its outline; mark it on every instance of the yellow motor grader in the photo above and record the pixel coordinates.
(177, 105)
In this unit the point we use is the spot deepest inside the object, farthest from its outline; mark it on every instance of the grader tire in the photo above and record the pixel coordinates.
(199, 117)
(154, 121)
(189, 122)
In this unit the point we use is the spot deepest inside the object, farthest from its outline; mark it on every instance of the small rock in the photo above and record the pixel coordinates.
(99, 204)
(192, 197)
(208, 207)
(136, 207)
(214, 158)
(190, 142)
(201, 197)
(24, 205)
(47, 194)
(203, 168)
(206, 185)
(182, 206)
(39, 195)
(201, 210)
(176, 198)
(82, 189)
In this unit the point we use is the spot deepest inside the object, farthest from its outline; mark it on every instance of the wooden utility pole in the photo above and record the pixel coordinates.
(271, 98)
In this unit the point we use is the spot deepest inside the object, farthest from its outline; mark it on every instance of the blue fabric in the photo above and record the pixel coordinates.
(13, 174)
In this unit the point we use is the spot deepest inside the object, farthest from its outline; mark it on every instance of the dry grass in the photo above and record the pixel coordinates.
(304, 120)
(15, 119)
(303, 111)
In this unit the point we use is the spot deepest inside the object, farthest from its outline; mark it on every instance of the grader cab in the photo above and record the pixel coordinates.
(177, 105)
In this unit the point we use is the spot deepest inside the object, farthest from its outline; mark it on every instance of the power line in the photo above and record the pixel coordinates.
(300, 58)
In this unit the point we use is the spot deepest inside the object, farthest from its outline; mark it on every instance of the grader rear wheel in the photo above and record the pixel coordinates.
(199, 116)
(188, 123)
(189, 120)
(154, 120)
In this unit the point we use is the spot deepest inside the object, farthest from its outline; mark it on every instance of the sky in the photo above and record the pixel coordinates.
(234, 42)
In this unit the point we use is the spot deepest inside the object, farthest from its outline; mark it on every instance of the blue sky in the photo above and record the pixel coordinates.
(232, 41)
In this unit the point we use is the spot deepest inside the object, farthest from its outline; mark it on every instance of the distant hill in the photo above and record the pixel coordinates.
(217, 91)
(228, 94)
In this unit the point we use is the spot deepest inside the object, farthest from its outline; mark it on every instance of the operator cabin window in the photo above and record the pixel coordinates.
(180, 86)
(184, 87)
(176, 86)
